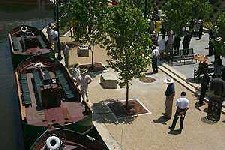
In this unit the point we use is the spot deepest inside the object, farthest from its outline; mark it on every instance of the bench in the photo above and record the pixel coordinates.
(66, 88)
(184, 54)
(16, 44)
(37, 85)
(25, 90)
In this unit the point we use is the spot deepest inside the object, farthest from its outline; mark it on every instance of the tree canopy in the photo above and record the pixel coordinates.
(178, 13)
(127, 41)
(83, 16)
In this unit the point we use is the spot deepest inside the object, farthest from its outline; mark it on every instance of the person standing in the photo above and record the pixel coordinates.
(200, 31)
(169, 93)
(54, 35)
(155, 55)
(176, 45)
(186, 43)
(66, 54)
(182, 104)
(49, 33)
(83, 81)
(162, 47)
(163, 31)
(211, 48)
(204, 87)
(76, 72)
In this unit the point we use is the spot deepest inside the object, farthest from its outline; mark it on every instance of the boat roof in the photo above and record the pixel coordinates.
(27, 40)
(47, 93)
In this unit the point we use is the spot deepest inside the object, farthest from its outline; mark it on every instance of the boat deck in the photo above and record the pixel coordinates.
(38, 48)
(26, 40)
(50, 103)
(68, 112)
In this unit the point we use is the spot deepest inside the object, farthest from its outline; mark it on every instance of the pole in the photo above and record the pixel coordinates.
(92, 57)
(57, 27)
(145, 11)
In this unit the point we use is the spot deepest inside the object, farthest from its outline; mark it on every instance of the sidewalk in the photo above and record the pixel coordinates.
(150, 132)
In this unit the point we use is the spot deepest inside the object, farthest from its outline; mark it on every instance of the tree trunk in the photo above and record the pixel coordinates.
(127, 93)
(92, 57)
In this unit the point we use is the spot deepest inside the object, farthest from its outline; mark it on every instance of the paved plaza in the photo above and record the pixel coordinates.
(150, 131)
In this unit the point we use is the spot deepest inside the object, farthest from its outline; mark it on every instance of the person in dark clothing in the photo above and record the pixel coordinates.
(182, 104)
(202, 68)
(186, 43)
(169, 93)
(217, 87)
(211, 48)
(155, 55)
(163, 31)
(217, 67)
(211, 34)
(176, 45)
(204, 87)
(200, 30)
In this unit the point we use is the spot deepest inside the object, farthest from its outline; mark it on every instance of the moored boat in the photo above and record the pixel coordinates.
(64, 139)
(26, 41)
(48, 97)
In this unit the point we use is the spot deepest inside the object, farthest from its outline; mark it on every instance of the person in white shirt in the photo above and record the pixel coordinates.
(182, 104)
(83, 80)
(54, 35)
(66, 54)
(155, 55)
(162, 47)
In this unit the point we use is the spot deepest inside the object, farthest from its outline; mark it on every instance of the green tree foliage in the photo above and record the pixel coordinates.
(220, 44)
(146, 6)
(83, 16)
(201, 9)
(221, 25)
(127, 42)
(178, 12)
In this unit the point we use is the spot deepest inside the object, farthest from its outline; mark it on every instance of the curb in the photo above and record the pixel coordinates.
(180, 78)
(110, 142)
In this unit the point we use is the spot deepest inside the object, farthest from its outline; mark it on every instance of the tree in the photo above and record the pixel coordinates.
(84, 16)
(219, 41)
(127, 42)
(146, 6)
(221, 24)
(178, 13)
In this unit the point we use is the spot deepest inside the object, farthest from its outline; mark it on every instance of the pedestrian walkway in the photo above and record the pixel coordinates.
(150, 131)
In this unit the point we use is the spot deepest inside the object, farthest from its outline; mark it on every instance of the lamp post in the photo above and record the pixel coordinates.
(56, 18)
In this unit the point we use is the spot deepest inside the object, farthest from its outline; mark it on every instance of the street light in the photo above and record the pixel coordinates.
(56, 17)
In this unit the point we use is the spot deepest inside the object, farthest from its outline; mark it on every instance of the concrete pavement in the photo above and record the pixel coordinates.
(150, 131)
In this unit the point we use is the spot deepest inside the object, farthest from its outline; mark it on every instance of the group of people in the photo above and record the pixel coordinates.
(182, 104)
(52, 35)
(82, 80)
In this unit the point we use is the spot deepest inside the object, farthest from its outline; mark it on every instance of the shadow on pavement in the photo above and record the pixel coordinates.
(161, 120)
(192, 80)
(103, 114)
(197, 106)
(175, 132)
(206, 120)
(149, 73)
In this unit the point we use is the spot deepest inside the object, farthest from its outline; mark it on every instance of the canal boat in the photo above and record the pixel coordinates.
(49, 97)
(26, 41)
(65, 139)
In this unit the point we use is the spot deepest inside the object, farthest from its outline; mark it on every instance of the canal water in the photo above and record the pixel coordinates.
(11, 136)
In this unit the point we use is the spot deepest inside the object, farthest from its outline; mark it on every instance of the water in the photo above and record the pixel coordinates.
(10, 125)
